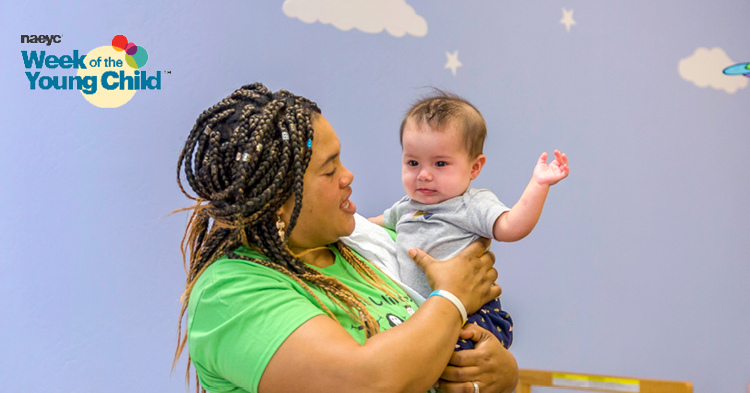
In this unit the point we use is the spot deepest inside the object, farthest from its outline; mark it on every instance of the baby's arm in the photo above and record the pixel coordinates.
(517, 223)
(377, 220)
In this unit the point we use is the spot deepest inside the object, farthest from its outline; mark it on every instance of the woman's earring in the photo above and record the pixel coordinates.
(280, 226)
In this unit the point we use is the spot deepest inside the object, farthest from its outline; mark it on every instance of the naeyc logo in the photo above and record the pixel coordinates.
(108, 76)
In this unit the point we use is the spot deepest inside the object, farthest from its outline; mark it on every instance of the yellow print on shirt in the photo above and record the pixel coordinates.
(420, 213)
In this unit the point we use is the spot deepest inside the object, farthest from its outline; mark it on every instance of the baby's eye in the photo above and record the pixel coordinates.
(412, 163)
(331, 173)
(441, 163)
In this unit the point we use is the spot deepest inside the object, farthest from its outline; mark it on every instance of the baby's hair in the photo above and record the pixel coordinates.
(244, 158)
(442, 109)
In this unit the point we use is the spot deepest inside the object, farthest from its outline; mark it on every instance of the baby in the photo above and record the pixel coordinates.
(442, 137)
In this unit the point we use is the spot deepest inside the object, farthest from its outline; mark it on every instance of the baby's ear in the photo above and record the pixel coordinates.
(476, 165)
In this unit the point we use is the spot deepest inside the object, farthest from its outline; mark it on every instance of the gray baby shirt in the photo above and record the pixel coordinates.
(441, 229)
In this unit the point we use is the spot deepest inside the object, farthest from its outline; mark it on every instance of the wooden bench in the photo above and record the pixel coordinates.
(597, 383)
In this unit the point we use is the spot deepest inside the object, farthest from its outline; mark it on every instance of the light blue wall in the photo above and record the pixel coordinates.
(638, 267)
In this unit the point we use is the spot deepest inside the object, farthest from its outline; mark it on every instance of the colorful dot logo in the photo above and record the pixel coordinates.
(135, 56)
(116, 73)
(738, 69)
(107, 76)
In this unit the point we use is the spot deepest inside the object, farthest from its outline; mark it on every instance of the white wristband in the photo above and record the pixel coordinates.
(453, 299)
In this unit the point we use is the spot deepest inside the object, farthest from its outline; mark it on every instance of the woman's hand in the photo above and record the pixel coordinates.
(489, 365)
(469, 275)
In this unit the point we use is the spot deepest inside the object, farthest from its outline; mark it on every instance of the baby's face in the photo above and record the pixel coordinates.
(435, 165)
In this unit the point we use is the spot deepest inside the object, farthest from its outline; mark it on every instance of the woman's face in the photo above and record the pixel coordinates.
(327, 214)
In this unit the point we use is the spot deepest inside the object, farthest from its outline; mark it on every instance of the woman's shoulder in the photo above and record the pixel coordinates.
(229, 283)
(234, 271)
(239, 312)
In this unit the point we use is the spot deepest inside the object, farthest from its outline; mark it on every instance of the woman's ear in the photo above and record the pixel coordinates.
(285, 211)
(476, 165)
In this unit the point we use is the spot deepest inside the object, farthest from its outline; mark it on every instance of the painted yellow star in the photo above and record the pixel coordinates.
(453, 62)
(567, 19)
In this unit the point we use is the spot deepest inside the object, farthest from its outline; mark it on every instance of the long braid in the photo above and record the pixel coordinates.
(247, 156)
(367, 273)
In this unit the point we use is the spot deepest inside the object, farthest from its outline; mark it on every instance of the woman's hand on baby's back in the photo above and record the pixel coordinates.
(470, 275)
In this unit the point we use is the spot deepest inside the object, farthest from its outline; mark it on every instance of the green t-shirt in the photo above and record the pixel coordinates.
(240, 312)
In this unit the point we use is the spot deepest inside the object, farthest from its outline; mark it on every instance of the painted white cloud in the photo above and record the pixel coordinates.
(370, 16)
(705, 68)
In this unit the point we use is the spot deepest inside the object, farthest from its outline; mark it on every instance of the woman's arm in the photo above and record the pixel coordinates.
(320, 356)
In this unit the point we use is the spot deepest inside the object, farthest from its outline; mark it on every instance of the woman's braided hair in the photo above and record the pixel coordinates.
(245, 157)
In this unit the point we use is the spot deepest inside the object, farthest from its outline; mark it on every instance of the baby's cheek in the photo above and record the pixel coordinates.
(407, 181)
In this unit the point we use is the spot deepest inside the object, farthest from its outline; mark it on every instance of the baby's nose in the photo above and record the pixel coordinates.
(424, 174)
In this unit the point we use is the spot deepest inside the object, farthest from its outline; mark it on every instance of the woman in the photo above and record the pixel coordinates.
(276, 303)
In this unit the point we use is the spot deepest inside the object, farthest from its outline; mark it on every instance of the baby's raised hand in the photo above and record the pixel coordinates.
(550, 174)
